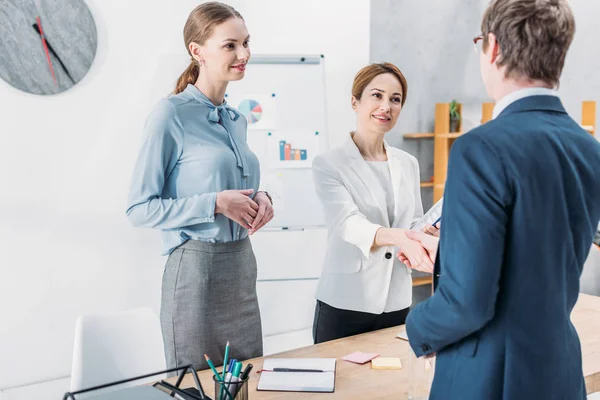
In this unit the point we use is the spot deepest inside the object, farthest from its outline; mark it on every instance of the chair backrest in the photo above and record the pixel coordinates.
(112, 347)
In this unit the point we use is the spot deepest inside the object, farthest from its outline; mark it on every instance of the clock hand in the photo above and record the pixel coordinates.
(39, 23)
(37, 29)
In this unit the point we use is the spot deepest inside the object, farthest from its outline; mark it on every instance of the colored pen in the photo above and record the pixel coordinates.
(231, 378)
(237, 369)
(212, 366)
(225, 358)
(216, 373)
(235, 377)
(246, 371)
(226, 385)
(436, 221)
(296, 370)
(225, 367)
(231, 365)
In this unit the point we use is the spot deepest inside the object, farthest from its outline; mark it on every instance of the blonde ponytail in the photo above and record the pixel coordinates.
(190, 75)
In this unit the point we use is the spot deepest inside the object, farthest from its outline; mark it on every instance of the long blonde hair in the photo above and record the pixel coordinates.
(199, 26)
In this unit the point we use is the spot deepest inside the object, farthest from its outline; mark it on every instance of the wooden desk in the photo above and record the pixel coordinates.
(361, 382)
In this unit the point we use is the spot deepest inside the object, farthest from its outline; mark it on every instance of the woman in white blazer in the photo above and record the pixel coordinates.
(370, 194)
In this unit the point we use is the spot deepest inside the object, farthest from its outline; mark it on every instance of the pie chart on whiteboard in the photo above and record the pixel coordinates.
(251, 109)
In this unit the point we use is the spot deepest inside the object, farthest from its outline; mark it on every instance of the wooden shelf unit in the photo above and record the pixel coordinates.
(443, 138)
(487, 110)
(441, 146)
(588, 116)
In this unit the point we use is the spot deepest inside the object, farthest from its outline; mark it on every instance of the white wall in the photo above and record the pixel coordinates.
(65, 164)
(580, 80)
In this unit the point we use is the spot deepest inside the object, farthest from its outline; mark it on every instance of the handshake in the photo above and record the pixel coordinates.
(419, 249)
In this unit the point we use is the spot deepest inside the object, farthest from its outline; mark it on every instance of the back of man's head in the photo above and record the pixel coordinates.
(533, 35)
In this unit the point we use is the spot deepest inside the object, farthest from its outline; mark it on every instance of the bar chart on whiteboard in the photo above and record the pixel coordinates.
(292, 150)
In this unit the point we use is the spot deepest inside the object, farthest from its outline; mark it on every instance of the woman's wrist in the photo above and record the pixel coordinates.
(218, 203)
(266, 194)
(390, 237)
(400, 238)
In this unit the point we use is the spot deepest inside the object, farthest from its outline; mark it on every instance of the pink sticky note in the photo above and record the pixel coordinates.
(359, 357)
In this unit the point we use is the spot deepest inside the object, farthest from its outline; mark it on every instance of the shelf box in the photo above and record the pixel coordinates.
(422, 280)
(418, 135)
(589, 128)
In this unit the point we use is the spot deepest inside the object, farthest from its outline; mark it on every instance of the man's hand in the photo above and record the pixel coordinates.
(429, 243)
(433, 230)
(415, 253)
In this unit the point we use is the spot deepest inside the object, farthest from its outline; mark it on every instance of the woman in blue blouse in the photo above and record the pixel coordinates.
(196, 180)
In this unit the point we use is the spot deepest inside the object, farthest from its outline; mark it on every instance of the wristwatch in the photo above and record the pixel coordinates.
(268, 195)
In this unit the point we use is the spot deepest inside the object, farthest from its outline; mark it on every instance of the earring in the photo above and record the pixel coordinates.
(199, 63)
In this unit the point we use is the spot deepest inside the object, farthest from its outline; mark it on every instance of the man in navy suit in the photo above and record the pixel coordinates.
(521, 205)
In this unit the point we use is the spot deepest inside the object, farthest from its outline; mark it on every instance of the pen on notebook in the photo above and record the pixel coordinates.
(296, 370)
(436, 222)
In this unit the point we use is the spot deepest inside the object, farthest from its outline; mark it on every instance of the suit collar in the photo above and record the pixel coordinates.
(535, 103)
(520, 94)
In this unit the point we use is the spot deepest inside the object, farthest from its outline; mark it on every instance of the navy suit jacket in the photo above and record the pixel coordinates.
(521, 205)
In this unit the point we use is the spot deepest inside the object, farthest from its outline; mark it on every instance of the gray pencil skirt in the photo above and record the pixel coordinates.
(209, 298)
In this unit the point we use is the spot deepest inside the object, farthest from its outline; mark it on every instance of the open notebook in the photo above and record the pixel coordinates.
(298, 381)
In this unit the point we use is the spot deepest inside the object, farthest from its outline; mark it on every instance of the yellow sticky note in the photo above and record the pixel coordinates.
(386, 363)
(427, 364)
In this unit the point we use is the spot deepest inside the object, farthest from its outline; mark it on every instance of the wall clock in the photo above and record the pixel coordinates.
(46, 46)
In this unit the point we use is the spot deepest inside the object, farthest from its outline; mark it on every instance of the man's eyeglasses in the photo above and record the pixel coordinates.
(475, 41)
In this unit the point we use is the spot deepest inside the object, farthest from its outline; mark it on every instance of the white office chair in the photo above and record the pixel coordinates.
(112, 347)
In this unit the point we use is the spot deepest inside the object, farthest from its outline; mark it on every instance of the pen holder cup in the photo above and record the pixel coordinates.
(236, 389)
(421, 372)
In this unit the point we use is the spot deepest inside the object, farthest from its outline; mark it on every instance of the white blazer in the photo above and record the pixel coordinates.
(354, 277)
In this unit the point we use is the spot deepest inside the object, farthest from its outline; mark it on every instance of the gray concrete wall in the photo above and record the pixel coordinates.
(431, 42)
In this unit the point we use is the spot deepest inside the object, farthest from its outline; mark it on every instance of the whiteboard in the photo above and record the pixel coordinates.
(283, 99)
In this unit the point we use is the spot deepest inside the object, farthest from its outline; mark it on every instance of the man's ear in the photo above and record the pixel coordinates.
(494, 48)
